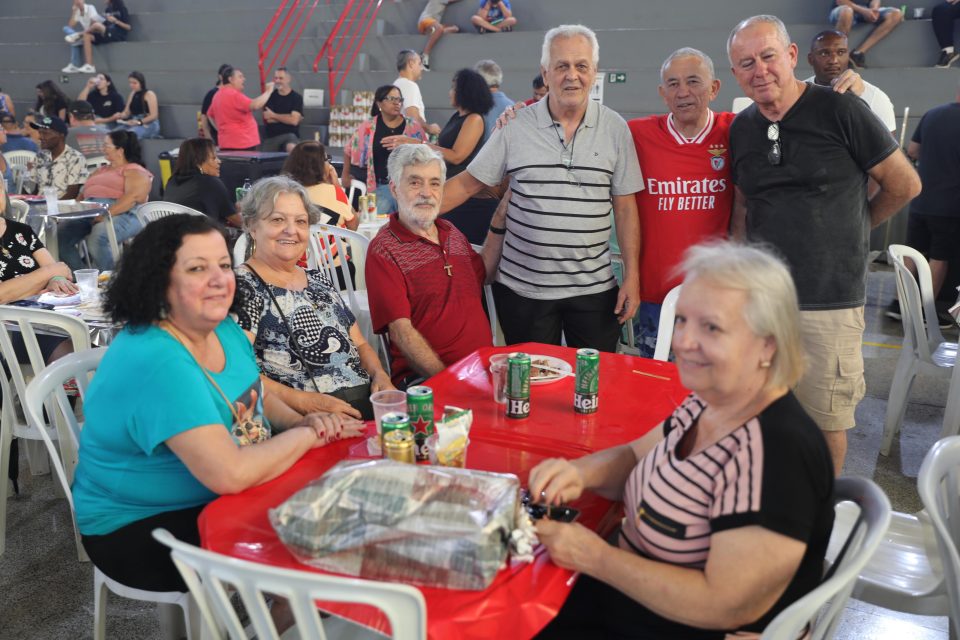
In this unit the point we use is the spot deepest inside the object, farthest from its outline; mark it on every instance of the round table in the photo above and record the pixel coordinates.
(45, 224)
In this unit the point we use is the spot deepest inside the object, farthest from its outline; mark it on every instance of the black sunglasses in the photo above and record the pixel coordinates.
(774, 156)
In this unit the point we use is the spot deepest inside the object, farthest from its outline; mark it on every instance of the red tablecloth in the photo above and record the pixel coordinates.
(523, 598)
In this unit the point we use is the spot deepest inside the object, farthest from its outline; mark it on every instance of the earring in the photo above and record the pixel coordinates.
(253, 244)
(163, 312)
(764, 364)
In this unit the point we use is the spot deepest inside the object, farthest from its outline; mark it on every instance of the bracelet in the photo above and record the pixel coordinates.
(498, 230)
(57, 278)
(141, 122)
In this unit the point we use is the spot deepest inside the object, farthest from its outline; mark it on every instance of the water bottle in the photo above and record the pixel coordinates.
(245, 189)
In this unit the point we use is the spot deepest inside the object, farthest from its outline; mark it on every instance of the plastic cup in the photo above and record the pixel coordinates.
(498, 373)
(457, 461)
(499, 357)
(51, 195)
(386, 401)
(917, 13)
(87, 281)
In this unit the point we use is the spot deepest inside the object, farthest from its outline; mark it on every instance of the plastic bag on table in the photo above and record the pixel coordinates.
(386, 520)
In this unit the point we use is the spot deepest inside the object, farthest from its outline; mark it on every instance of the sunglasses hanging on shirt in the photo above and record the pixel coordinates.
(774, 156)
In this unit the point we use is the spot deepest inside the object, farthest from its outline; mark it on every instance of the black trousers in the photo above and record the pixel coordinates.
(585, 321)
(132, 557)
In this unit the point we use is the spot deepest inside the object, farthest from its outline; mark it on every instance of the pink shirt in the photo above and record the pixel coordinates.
(236, 126)
(108, 182)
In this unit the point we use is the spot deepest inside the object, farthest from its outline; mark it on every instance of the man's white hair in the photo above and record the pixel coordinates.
(491, 72)
(688, 52)
(777, 23)
(410, 154)
(569, 31)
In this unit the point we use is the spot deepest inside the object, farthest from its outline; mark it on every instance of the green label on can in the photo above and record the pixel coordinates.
(518, 385)
(420, 409)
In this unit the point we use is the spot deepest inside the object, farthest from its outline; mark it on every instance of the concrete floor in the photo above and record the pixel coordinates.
(46, 594)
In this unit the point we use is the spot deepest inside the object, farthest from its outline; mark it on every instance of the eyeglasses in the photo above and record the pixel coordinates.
(393, 99)
(774, 156)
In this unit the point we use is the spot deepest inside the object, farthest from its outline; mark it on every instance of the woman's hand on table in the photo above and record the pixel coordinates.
(60, 285)
(571, 545)
(330, 427)
(381, 382)
(323, 403)
(555, 481)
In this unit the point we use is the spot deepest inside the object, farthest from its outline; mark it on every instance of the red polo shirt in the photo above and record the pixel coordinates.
(406, 278)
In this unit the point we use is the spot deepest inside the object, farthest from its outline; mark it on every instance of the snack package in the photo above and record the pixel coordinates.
(420, 524)
(453, 437)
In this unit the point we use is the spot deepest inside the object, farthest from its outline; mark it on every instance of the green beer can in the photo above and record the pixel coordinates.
(586, 397)
(420, 410)
(518, 385)
(394, 421)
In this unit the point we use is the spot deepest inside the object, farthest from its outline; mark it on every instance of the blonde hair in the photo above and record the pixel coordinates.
(771, 310)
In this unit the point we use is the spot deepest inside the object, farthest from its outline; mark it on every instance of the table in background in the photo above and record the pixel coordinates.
(45, 224)
(523, 598)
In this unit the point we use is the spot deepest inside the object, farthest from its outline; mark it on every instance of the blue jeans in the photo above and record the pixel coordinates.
(645, 325)
(149, 130)
(386, 203)
(76, 49)
(70, 234)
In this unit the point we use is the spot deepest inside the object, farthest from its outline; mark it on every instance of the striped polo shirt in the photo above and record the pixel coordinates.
(557, 243)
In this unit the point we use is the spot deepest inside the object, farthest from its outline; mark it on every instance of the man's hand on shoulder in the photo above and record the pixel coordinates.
(850, 81)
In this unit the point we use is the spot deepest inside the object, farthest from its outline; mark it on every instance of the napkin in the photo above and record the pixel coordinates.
(59, 300)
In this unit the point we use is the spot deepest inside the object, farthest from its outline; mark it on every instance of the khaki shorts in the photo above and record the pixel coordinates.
(425, 24)
(833, 383)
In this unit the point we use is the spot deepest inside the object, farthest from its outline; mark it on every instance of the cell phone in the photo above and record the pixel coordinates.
(32, 304)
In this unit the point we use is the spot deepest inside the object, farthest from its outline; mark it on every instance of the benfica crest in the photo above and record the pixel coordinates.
(717, 161)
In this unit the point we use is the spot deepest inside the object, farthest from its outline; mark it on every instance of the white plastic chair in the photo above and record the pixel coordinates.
(495, 330)
(924, 350)
(151, 211)
(915, 568)
(355, 187)
(96, 162)
(668, 312)
(46, 390)
(210, 576)
(29, 322)
(19, 210)
(740, 103)
(18, 161)
(332, 253)
(859, 543)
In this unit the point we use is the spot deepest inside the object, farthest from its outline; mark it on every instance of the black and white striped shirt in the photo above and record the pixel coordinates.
(558, 226)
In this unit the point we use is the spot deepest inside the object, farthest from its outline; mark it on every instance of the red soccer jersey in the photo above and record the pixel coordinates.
(407, 278)
(688, 196)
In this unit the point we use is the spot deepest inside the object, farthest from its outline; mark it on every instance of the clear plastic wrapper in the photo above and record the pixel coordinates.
(384, 520)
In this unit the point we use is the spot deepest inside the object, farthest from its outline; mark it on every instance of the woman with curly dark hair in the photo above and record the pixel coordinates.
(459, 142)
(124, 184)
(308, 165)
(51, 101)
(196, 423)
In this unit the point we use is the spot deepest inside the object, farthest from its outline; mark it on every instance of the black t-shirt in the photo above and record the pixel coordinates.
(380, 153)
(138, 104)
(938, 135)
(812, 207)
(447, 138)
(203, 193)
(105, 105)
(289, 103)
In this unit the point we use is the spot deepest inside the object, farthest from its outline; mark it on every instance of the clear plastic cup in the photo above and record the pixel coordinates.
(386, 401)
(51, 195)
(457, 460)
(498, 373)
(87, 281)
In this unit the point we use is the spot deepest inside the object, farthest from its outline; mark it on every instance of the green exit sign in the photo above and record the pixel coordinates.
(616, 78)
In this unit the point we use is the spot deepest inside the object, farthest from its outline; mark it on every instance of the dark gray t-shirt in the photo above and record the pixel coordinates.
(812, 207)
(938, 135)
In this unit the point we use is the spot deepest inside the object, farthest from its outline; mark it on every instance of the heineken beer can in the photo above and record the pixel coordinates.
(586, 397)
(518, 385)
(398, 445)
(393, 421)
(420, 410)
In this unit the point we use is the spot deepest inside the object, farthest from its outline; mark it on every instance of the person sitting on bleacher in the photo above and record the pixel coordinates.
(82, 17)
(848, 13)
(494, 15)
(103, 96)
(141, 116)
(16, 139)
(85, 135)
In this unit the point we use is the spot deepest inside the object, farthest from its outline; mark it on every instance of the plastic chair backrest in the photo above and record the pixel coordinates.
(740, 103)
(150, 211)
(208, 575)
(939, 487)
(668, 311)
(337, 243)
(491, 306)
(46, 389)
(96, 162)
(19, 209)
(355, 187)
(20, 158)
(916, 301)
(19, 174)
(864, 539)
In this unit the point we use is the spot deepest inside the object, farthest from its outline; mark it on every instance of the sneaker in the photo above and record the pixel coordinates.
(87, 68)
(858, 60)
(425, 60)
(947, 59)
(945, 320)
(70, 68)
(893, 311)
(73, 37)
